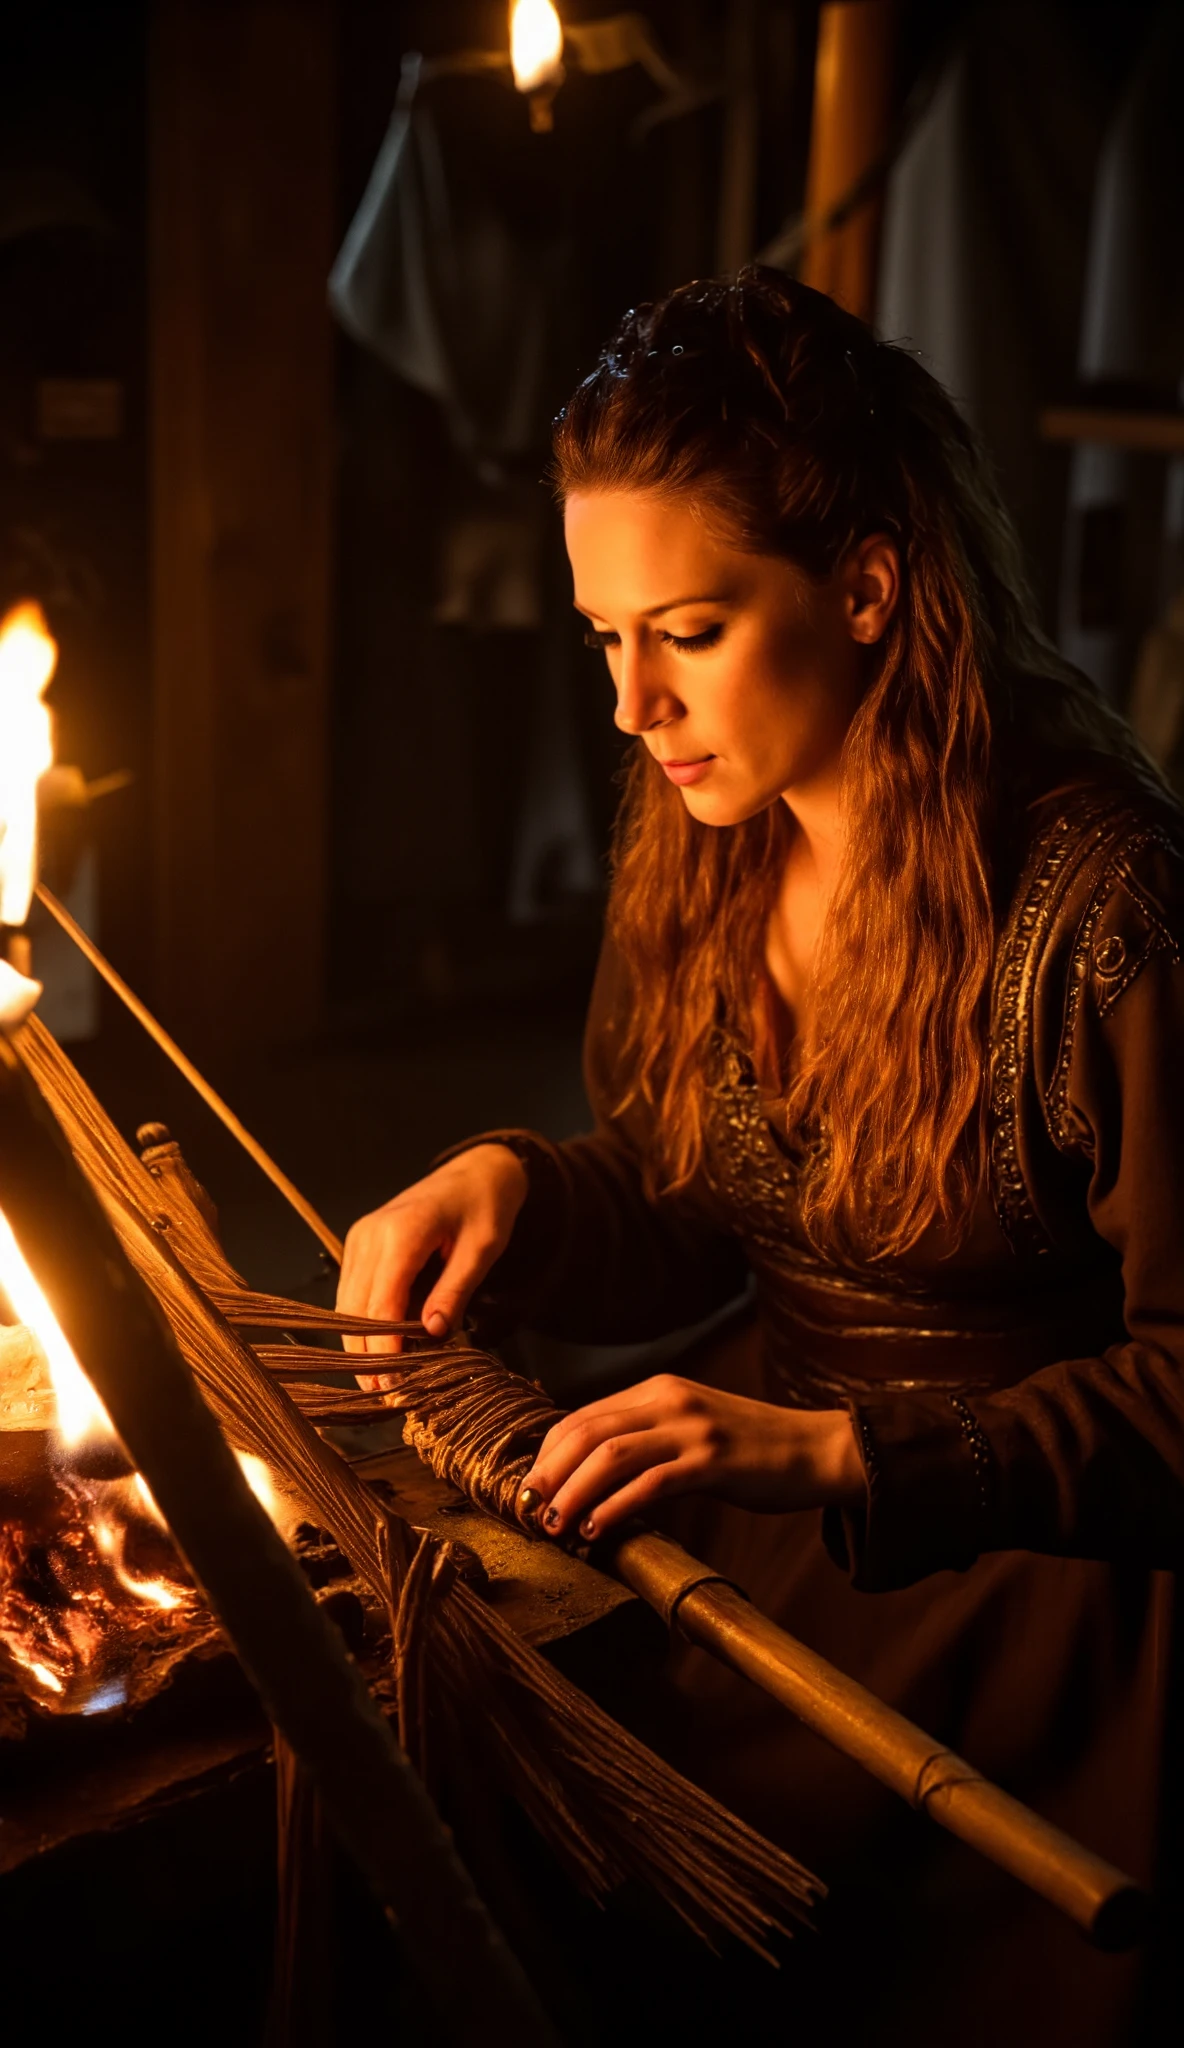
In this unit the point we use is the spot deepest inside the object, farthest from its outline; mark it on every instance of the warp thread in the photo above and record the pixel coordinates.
(475, 1423)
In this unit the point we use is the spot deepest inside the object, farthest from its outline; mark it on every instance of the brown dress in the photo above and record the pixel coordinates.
(1008, 1581)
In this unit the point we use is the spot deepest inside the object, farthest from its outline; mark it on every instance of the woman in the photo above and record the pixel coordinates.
(888, 1025)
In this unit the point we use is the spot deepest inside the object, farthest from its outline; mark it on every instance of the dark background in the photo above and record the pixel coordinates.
(360, 867)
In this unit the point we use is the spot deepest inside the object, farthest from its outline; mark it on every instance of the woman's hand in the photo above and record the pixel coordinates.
(465, 1211)
(667, 1436)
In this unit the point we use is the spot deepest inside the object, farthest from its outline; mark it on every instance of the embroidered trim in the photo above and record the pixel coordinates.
(749, 1170)
(982, 1457)
(1143, 899)
(1057, 857)
(1118, 976)
(1116, 968)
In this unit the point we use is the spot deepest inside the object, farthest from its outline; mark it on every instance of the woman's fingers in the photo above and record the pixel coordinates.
(658, 1482)
(604, 1473)
(465, 1211)
(353, 1285)
(577, 1438)
(662, 1400)
(643, 1399)
(477, 1246)
(383, 1254)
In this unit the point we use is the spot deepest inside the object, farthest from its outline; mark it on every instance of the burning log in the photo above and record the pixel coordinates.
(96, 1608)
(28, 1413)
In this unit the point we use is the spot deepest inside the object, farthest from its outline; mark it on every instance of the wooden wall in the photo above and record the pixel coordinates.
(241, 240)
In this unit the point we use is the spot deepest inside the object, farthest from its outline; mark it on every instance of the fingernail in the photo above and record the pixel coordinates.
(551, 1518)
(436, 1324)
(588, 1528)
(530, 1498)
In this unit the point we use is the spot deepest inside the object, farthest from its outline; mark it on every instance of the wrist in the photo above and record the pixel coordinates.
(504, 1162)
(830, 1473)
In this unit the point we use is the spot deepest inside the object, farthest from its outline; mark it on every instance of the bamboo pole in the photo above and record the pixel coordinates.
(193, 1075)
(1105, 1903)
(310, 1689)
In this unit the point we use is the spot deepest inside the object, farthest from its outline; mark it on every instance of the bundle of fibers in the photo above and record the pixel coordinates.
(607, 1806)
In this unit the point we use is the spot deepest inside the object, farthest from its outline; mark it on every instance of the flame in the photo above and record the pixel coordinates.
(257, 1473)
(44, 1676)
(81, 1414)
(28, 656)
(536, 43)
(110, 1532)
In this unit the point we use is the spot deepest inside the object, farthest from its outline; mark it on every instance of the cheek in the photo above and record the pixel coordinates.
(790, 691)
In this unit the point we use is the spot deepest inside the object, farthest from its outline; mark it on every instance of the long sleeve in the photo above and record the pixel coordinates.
(1085, 1457)
(592, 1258)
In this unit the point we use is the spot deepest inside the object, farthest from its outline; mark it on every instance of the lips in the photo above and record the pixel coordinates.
(683, 772)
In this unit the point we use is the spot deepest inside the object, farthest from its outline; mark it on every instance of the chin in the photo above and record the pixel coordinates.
(721, 808)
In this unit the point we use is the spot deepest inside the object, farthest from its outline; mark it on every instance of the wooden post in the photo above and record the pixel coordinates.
(852, 112)
(736, 221)
(242, 184)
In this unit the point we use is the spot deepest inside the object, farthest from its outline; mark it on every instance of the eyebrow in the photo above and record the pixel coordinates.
(672, 604)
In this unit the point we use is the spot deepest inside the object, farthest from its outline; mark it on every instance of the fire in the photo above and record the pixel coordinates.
(536, 43)
(93, 1598)
(81, 1415)
(28, 656)
(110, 1530)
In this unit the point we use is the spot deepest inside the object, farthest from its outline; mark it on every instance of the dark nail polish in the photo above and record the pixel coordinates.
(551, 1518)
(529, 1499)
(589, 1527)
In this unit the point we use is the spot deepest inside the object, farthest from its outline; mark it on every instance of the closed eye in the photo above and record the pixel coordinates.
(693, 643)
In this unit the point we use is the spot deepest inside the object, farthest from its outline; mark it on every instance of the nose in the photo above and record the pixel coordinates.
(644, 696)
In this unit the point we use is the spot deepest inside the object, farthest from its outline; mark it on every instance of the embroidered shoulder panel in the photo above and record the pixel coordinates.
(1107, 963)
(1097, 838)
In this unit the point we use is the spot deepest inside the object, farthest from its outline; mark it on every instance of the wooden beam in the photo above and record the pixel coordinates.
(1155, 433)
(241, 239)
(849, 133)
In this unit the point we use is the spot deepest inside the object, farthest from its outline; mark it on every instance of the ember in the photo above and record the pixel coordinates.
(96, 1606)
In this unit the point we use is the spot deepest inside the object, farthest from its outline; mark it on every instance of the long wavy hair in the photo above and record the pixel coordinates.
(794, 432)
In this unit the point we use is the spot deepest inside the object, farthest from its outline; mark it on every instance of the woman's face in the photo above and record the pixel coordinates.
(740, 672)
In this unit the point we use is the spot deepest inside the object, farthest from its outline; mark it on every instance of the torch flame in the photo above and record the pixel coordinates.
(28, 656)
(81, 1414)
(536, 43)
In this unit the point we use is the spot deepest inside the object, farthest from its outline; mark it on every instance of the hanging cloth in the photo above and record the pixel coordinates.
(435, 281)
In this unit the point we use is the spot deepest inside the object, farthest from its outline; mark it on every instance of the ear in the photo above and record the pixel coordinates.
(870, 578)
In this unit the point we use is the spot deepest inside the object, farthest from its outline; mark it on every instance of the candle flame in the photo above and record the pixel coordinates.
(536, 43)
(28, 656)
